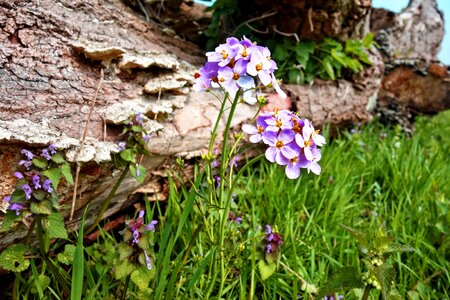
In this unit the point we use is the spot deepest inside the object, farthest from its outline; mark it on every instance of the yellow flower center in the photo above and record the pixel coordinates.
(222, 79)
(279, 123)
(259, 67)
(244, 52)
(294, 160)
(236, 76)
(308, 143)
(260, 129)
(224, 54)
(279, 144)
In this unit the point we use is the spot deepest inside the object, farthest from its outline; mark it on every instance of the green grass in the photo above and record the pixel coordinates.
(366, 179)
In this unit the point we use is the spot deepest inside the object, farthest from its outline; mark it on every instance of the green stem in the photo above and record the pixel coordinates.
(225, 202)
(30, 232)
(366, 292)
(108, 200)
(127, 282)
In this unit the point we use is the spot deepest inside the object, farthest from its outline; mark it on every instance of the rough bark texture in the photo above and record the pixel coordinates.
(416, 32)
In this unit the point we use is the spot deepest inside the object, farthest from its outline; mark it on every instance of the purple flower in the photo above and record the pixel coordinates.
(332, 297)
(47, 186)
(27, 153)
(6, 198)
(256, 131)
(260, 66)
(36, 181)
(147, 261)
(52, 148)
(138, 173)
(279, 146)
(139, 119)
(223, 53)
(122, 146)
(217, 179)
(18, 175)
(138, 227)
(294, 164)
(27, 189)
(45, 154)
(312, 165)
(151, 226)
(233, 217)
(146, 137)
(273, 239)
(305, 140)
(17, 207)
(26, 163)
(280, 121)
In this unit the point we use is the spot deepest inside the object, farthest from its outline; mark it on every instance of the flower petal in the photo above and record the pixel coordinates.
(271, 154)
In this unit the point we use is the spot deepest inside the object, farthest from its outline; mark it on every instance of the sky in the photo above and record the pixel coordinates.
(443, 5)
(398, 5)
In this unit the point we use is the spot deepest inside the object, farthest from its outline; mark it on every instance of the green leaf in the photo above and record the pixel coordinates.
(41, 207)
(13, 258)
(141, 277)
(54, 225)
(326, 63)
(142, 173)
(39, 194)
(344, 279)
(66, 257)
(18, 196)
(354, 65)
(339, 56)
(136, 128)
(76, 291)
(296, 76)
(358, 235)
(124, 250)
(58, 158)
(9, 219)
(305, 47)
(368, 40)
(265, 269)
(67, 173)
(123, 269)
(280, 53)
(54, 174)
(128, 155)
(41, 163)
(385, 275)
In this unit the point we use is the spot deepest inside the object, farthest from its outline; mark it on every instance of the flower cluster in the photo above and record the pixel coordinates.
(234, 67)
(137, 228)
(293, 142)
(272, 240)
(31, 185)
(333, 297)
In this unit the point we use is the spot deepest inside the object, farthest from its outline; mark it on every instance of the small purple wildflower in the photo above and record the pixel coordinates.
(122, 146)
(27, 189)
(273, 240)
(47, 186)
(17, 207)
(233, 217)
(217, 180)
(332, 297)
(18, 175)
(36, 182)
(138, 227)
(52, 148)
(27, 153)
(6, 199)
(139, 119)
(45, 154)
(138, 173)
(147, 261)
(146, 137)
(26, 163)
